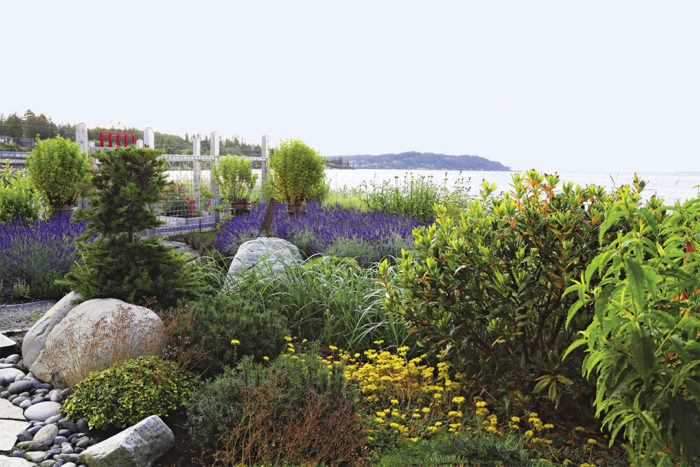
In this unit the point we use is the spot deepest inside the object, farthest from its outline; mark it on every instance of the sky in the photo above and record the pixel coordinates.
(565, 85)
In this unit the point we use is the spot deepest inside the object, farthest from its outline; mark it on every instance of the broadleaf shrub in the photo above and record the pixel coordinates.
(486, 290)
(18, 197)
(294, 411)
(642, 345)
(129, 392)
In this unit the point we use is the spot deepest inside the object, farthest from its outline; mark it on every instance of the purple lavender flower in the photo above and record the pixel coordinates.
(367, 236)
(30, 250)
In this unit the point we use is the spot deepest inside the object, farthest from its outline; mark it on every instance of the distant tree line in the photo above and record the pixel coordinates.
(30, 126)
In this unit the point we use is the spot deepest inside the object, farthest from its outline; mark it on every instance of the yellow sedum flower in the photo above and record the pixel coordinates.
(235, 342)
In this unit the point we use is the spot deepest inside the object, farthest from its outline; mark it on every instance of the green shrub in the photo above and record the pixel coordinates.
(484, 450)
(294, 411)
(415, 197)
(129, 392)
(119, 263)
(486, 290)
(59, 170)
(642, 346)
(221, 318)
(235, 177)
(18, 198)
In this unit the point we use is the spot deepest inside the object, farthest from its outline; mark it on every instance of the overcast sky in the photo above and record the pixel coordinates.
(588, 85)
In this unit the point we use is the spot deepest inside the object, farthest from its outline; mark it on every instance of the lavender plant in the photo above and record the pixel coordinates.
(366, 236)
(37, 253)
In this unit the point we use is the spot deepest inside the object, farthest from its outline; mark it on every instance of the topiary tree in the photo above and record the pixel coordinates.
(119, 263)
(59, 170)
(296, 170)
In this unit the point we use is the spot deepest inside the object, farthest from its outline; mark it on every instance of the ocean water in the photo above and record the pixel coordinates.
(670, 187)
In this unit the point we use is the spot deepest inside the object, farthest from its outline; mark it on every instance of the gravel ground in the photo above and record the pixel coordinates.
(21, 317)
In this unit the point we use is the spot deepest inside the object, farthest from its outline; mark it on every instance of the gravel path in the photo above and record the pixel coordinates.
(21, 317)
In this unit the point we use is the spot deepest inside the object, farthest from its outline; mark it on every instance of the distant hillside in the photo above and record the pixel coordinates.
(422, 161)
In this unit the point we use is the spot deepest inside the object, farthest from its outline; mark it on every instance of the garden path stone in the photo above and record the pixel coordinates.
(139, 445)
(8, 410)
(35, 339)
(14, 462)
(9, 429)
(34, 456)
(42, 411)
(93, 336)
(267, 255)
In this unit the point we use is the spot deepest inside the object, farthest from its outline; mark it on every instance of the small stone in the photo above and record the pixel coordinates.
(68, 457)
(5, 394)
(31, 446)
(32, 431)
(48, 463)
(45, 386)
(79, 450)
(12, 397)
(53, 419)
(42, 411)
(38, 399)
(68, 425)
(19, 378)
(46, 435)
(69, 464)
(14, 358)
(34, 456)
(64, 432)
(83, 442)
(60, 440)
(24, 436)
(8, 375)
(24, 404)
(18, 454)
(67, 449)
(82, 425)
(55, 396)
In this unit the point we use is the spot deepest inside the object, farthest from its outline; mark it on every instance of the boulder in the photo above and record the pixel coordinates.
(139, 446)
(95, 335)
(35, 338)
(265, 255)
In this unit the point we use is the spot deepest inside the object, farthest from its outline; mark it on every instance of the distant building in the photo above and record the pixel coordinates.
(24, 142)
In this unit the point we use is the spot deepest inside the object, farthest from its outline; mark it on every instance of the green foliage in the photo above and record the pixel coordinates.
(140, 271)
(235, 177)
(642, 344)
(59, 170)
(219, 319)
(293, 411)
(127, 182)
(117, 264)
(414, 196)
(484, 450)
(486, 290)
(18, 198)
(296, 171)
(129, 392)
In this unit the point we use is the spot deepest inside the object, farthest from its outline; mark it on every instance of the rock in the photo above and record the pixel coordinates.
(139, 445)
(95, 335)
(82, 442)
(19, 386)
(46, 435)
(12, 359)
(42, 411)
(8, 410)
(55, 396)
(24, 436)
(24, 404)
(267, 255)
(35, 339)
(31, 446)
(68, 425)
(34, 456)
(53, 419)
(8, 375)
(67, 457)
(47, 463)
(82, 425)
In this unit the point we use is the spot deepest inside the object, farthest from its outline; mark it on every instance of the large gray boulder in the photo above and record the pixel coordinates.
(265, 255)
(138, 446)
(35, 338)
(95, 335)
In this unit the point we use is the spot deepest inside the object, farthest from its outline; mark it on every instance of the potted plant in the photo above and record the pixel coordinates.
(61, 172)
(296, 170)
(235, 178)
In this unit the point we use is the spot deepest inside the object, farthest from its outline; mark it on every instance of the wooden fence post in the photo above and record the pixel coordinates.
(196, 164)
(214, 151)
(263, 166)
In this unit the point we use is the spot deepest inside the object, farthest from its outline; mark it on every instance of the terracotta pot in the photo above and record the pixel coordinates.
(294, 209)
(65, 210)
(240, 206)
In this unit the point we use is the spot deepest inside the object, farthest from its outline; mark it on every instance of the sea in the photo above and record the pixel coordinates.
(671, 187)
